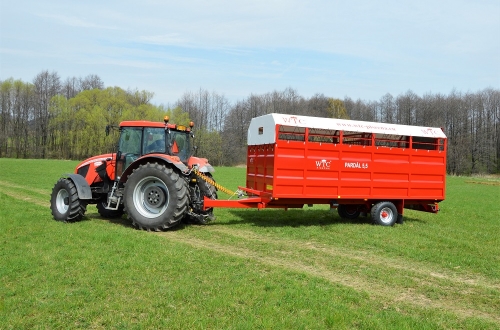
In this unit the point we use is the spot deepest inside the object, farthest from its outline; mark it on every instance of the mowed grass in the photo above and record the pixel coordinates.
(249, 269)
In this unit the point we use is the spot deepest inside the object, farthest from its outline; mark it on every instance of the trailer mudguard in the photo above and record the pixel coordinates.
(82, 186)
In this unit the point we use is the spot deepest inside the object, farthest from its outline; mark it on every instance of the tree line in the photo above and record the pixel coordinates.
(52, 118)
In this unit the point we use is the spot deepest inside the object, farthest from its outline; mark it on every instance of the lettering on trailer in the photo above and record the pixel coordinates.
(367, 127)
(356, 165)
(294, 120)
(323, 164)
(430, 131)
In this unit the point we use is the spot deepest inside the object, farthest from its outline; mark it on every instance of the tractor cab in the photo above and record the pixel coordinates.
(140, 138)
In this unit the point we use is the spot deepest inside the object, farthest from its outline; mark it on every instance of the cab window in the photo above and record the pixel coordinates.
(154, 140)
(130, 140)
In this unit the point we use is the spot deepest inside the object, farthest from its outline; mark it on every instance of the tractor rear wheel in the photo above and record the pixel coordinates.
(64, 202)
(156, 197)
(384, 214)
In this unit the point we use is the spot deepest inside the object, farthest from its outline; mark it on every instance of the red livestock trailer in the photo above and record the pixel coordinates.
(354, 166)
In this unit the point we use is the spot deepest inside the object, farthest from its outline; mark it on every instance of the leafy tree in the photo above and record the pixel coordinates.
(177, 116)
(336, 109)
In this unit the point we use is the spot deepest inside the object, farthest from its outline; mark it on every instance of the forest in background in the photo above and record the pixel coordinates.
(65, 119)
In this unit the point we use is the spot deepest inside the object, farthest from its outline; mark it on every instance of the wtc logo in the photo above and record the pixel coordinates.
(293, 120)
(323, 164)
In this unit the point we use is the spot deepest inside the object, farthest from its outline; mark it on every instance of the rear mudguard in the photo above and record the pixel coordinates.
(202, 163)
(155, 158)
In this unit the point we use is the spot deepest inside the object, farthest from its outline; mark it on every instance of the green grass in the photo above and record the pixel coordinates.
(268, 269)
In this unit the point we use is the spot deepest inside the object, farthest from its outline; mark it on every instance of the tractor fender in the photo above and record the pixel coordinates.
(207, 168)
(145, 159)
(203, 164)
(82, 186)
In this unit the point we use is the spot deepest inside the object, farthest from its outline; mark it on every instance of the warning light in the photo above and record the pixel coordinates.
(166, 119)
(191, 124)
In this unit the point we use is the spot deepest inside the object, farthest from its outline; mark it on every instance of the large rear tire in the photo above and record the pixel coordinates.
(156, 197)
(64, 202)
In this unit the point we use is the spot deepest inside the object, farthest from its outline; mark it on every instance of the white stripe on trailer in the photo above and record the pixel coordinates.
(262, 129)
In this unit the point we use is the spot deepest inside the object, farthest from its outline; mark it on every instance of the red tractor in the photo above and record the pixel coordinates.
(152, 177)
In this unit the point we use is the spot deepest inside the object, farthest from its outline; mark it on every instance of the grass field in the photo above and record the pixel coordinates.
(268, 269)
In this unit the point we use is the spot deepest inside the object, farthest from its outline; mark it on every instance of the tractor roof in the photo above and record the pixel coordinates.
(141, 123)
(262, 129)
(145, 123)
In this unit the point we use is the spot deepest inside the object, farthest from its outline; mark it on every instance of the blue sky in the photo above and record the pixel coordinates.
(359, 48)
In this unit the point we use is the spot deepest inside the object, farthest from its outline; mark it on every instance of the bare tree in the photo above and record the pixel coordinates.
(406, 108)
(5, 115)
(92, 81)
(46, 85)
(387, 109)
(234, 141)
(317, 106)
(71, 87)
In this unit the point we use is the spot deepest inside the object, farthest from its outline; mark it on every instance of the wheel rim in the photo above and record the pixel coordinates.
(151, 197)
(62, 201)
(386, 215)
(351, 211)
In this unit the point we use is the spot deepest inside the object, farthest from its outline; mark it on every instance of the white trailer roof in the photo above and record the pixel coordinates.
(262, 129)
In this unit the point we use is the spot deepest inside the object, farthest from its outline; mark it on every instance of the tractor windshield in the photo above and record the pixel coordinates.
(179, 144)
(137, 141)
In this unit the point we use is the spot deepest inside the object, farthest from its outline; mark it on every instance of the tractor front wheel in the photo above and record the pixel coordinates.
(64, 202)
(156, 197)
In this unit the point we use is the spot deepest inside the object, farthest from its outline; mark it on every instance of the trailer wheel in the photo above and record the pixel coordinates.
(384, 214)
(155, 197)
(348, 211)
(64, 202)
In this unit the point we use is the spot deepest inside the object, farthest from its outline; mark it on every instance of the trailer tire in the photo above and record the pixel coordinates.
(156, 197)
(348, 211)
(384, 214)
(65, 204)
